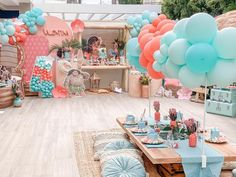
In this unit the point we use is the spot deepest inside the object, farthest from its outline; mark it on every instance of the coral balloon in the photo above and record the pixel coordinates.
(162, 23)
(77, 26)
(144, 39)
(143, 61)
(147, 52)
(156, 22)
(162, 17)
(167, 27)
(11, 41)
(142, 33)
(152, 29)
(17, 28)
(146, 27)
(152, 73)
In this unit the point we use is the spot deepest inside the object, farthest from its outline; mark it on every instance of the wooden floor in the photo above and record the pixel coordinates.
(37, 139)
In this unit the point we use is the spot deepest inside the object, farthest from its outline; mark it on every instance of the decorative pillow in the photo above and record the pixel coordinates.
(99, 146)
(117, 145)
(109, 135)
(107, 155)
(123, 166)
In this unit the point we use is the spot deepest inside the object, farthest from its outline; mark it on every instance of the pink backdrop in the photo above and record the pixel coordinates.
(54, 31)
(34, 46)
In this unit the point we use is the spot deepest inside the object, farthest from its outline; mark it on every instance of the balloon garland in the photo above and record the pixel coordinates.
(142, 46)
(11, 32)
(194, 51)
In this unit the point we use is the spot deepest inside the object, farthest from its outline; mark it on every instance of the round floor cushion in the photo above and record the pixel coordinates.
(123, 166)
(117, 145)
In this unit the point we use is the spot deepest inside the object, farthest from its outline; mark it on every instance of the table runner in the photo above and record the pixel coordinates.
(191, 160)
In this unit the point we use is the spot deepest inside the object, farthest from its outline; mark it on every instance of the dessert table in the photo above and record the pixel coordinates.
(166, 160)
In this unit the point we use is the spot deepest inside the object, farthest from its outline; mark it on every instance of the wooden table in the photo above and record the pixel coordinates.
(167, 156)
(124, 68)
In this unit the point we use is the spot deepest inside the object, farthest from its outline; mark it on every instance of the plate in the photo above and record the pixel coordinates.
(147, 140)
(136, 130)
(220, 140)
(130, 123)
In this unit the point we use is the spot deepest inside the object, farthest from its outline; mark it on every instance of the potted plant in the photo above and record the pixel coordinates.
(144, 81)
(191, 126)
(18, 94)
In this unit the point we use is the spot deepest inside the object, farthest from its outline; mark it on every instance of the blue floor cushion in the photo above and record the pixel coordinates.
(123, 166)
(117, 145)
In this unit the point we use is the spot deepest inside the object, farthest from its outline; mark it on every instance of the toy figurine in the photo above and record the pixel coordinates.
(102, 52)
(114, 52)
(74, 82)
(157, 115)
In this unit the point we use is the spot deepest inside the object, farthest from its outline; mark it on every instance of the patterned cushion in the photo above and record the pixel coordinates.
(107, 155)
(109, 135)
(99, 146)
(117, 145)
(123, 166)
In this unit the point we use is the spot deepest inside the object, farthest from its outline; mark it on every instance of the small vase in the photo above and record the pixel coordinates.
(157, 116)
(145, 91)
(192, 140)
(17, 102)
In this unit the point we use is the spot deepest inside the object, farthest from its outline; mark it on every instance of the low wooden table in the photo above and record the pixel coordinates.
(166, 160)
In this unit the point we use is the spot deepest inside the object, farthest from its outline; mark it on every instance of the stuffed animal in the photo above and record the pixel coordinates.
(74, 82)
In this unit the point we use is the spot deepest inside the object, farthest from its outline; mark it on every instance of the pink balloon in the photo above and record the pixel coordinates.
(77, 26)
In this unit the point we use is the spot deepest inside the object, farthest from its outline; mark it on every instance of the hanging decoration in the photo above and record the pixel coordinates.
(195, 51)
(16, 30)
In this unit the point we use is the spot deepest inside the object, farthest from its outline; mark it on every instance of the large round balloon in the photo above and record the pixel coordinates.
(142, 33)
(10, 30)
(201, 27)
(143, 61)
(179, 28)
(40, 20)
(201, 58)
(177, 51)
(77, 26)
(172, 69)
(4, 39)
(169, 37)
(225, 43)
(131, 47)
(190, 79)
(223, 74)
(144, 40)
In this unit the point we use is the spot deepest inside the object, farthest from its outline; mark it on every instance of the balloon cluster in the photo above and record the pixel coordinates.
(11, 32)
(32, 19)
(140, 50)
(139, 21)
(41, 80)
(195, 52)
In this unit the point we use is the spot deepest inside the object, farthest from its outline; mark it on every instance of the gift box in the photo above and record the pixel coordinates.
(221, 108)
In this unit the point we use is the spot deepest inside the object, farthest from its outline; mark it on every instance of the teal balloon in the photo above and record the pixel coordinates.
(153, 16)
(177, 51)
(179, 28)
(4, 31)
(156, 66)
(131, 47)
(138, 49)
(134, 61)
(1, 26)
(21, 16)
(157, 55)
(25, 20)
(10, 30)
(138, 20)
(146, 15)
(190, 79)
(4, 39)
(201, 27)
(172, 69)
(33, 30)
(28, 24)
(201, 58)
(169, 37)
(145, 22)
(134, 32)
(40, 20)
(131, 20)
(225, 43)
(164, 50)
(32, 23)
(37, 11)
(223, 74)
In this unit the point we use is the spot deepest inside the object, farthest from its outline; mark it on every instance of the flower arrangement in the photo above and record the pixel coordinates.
(156, 106)
(144, 79)
(191, 126)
